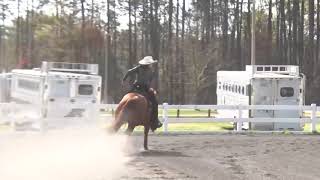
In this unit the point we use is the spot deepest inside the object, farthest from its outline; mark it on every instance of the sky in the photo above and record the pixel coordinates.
(49, 9)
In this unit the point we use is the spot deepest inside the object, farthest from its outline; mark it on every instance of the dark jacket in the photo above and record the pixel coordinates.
(142, 75)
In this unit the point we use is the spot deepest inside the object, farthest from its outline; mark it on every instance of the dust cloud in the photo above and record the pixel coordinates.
(68, 154)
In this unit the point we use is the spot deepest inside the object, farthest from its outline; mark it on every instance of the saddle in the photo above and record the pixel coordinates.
(142, 90)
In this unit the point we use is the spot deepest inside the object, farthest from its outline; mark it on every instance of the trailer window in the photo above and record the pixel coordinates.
(259, 68)
(282, 68)
(286, 92)
(29, 85)
(85, 89)
(267, 68)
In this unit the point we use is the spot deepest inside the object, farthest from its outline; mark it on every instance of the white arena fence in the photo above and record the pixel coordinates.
(237, 118)
(9, 111)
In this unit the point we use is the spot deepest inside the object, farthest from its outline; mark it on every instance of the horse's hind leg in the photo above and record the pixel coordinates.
(120, 119)
(146, 132)
(116, 125)
(130, 129)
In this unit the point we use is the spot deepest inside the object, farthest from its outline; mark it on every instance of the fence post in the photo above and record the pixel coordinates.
(43, 119)
(165, 117)
(313, 118)
(239, 122)
(12, 118)
(112, 112)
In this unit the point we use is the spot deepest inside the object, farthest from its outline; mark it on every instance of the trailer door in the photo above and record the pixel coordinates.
(288, 93)
(262, 94)
(263, 89)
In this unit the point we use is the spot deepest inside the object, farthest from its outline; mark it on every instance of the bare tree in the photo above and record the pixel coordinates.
(239, 35)
(248, 32)
(130, 64)
(169, 63)
(83, 26)
(301, 37)
(92, 12)
(5, 11)
(182, 61)
(135, 43)
(30, 34)
(288, 41)
(176, 68)
(282, 32)
(18, 32)
(295, 20)
(311, 59)
(212, 20)
(225, 29)
(318, 34)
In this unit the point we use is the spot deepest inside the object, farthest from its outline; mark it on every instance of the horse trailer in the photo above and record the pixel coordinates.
(263, 85)
(58, 90)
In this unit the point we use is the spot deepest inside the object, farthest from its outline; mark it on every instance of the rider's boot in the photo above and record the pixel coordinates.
(156, 120)
(158, 123)
(155, 123)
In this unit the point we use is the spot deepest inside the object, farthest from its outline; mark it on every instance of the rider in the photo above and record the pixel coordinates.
(143, 74)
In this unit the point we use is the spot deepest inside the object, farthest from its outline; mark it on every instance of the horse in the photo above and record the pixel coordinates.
(135, 110)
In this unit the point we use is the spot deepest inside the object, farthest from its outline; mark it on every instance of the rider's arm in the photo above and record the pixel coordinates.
(130, 71)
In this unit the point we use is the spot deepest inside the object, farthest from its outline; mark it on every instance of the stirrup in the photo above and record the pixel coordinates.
(159, 124)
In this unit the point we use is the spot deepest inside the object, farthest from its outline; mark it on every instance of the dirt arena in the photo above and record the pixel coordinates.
(218, 156)
(91, 155)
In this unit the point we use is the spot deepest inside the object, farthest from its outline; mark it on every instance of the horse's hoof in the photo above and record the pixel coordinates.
(146, 149)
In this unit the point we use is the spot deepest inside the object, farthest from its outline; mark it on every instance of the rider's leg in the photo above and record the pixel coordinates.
(154, 102)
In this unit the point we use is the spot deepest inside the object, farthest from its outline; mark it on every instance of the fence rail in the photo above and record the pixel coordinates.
(239, 119)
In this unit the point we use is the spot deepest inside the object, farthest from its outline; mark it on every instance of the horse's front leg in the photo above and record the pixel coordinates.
(146, 132)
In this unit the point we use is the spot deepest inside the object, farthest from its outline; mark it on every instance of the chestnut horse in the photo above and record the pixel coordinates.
(135, 110)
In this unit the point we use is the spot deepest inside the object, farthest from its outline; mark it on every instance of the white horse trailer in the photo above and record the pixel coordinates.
(58, 90)
(262, 85)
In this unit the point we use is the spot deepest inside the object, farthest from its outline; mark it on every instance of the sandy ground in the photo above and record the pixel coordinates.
(90, 155)
(228, 156)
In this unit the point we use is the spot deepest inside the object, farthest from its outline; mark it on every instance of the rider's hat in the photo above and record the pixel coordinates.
(147, 60)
